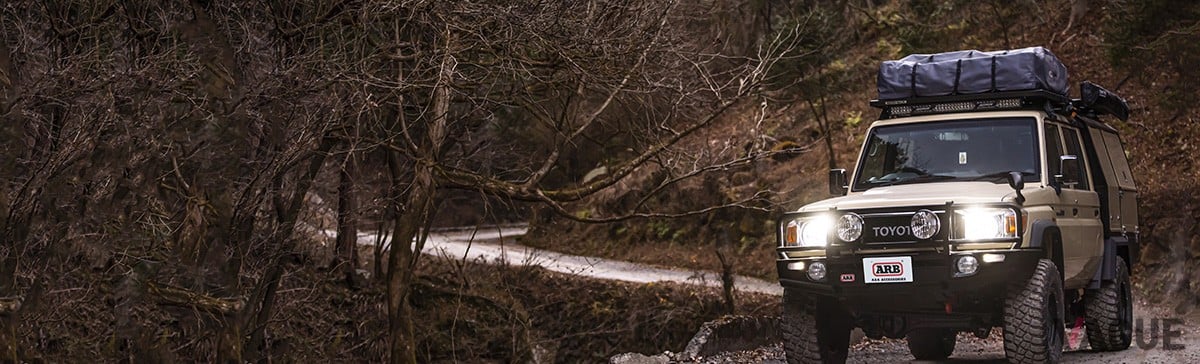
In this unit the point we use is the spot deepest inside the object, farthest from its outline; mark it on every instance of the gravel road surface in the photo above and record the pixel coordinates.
(991, 350)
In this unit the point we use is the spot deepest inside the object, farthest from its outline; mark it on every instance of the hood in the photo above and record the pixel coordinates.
(920, 194)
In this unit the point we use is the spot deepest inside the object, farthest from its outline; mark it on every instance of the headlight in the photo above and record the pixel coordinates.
(849, 227)
(815, 231)
(811, 231)
(988, 223)
(924, 224)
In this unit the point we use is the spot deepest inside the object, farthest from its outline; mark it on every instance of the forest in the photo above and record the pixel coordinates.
(169, 169)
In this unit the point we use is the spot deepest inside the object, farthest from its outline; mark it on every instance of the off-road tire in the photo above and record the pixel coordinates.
(814, 331)
(1033, 317)
(931, 344)
(1109, 312)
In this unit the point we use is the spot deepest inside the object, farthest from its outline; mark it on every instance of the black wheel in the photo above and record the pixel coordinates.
(1033, 317)
(814, 331)
(931, 344)
(1109, 312)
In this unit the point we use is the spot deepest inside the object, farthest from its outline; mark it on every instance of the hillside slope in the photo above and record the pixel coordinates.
(1138, 49)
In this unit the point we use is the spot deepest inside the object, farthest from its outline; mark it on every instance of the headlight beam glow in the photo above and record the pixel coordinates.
(988, 223)
(814, 232)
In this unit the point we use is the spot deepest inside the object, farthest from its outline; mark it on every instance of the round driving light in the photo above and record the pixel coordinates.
(925, 224)
(849, 227)
(816, 271)
(967, 265)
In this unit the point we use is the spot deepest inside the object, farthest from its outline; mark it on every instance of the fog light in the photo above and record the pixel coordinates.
(816, 271)
(993, 258)
(967, 265)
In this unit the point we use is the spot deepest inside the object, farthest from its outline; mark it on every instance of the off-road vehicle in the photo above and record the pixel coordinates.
(984, 196)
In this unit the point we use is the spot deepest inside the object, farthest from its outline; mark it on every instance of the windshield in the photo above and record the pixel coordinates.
(975, 149)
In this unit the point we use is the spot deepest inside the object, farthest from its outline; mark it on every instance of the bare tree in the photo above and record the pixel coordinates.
(462, 64)
(346, 247)
(189, 137)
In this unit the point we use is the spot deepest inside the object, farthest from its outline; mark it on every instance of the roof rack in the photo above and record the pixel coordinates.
(990, 101)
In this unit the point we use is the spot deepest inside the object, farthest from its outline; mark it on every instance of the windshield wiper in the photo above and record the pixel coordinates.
(918, 179)
(997, 177)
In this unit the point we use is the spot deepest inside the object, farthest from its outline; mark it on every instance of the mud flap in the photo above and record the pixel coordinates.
(1108, 268)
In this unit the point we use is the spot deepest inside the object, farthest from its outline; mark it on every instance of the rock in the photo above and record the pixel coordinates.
(857, 336)
(635, 358)
(363, 274)
(733, 333)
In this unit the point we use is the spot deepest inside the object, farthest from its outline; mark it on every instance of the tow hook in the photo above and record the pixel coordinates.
(950, 304)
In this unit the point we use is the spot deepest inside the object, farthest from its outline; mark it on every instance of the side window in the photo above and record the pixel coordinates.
(1071, 136)
(1053, 150)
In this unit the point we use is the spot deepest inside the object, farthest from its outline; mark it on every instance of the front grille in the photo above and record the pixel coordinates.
(893, 227)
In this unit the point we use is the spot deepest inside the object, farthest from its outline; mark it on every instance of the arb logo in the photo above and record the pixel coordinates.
(887, 269)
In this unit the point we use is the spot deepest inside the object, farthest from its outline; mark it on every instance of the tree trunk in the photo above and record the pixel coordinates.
(244, 337)
(401, 265)
(400, 268)
(418, 205)
(381, 238)
(822, 118)
(346, 247)
(727, 282)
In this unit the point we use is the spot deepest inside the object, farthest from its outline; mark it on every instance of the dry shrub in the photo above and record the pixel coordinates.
(506, 312)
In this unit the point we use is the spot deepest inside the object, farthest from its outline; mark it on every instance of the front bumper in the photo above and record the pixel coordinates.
(934, 289)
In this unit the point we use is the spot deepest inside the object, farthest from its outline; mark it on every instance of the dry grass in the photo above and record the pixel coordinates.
(467, 312)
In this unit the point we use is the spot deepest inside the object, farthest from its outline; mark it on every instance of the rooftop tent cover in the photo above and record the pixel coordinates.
(971, 72)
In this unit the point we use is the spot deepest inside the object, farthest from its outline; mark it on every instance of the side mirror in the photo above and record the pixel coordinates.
(1068, 169)
(837, 182)
(1017, 182)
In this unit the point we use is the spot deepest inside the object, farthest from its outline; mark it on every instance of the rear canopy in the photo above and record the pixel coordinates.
(971, 72)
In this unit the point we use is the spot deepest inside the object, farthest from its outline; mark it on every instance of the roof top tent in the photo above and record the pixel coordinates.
(971, 72)
(970, 80)
(1027, 78)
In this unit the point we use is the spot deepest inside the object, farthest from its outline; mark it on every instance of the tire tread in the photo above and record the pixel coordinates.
(1024, 317)
(1101, 307)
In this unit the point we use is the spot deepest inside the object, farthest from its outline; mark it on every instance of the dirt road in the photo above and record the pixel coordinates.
(970, 349)
(991, 350)
(495, 244)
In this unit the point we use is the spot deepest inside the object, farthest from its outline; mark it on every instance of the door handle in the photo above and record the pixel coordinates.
(1075, 211)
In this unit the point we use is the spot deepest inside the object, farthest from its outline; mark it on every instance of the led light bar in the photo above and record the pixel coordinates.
(1008, 100)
